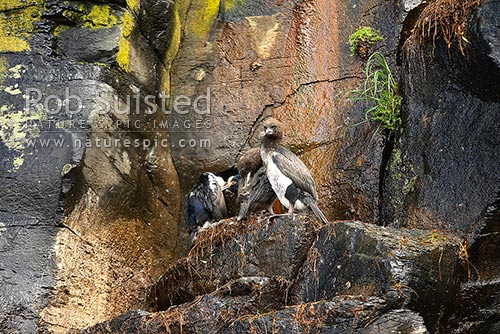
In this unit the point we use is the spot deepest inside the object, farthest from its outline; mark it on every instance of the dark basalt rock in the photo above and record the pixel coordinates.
(479, 299)
(479, 308)
(400, 321)
(410, 268)
(42, 183)
(443, 171)
(33, 189)
(208, 313)
(387, 269)
(216, 314)
(100, 45)
(85, 232)
(211, 314)
(253, 247)
(343, 314)
(479, 72)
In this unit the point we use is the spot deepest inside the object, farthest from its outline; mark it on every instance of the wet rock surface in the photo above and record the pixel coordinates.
(255, 247)
(479, 298)
(443, 171)
(342, 315)
(480, 308)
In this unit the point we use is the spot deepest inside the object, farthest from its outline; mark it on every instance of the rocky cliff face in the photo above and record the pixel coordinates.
(79, 219)
(291, 59)
(92, 230)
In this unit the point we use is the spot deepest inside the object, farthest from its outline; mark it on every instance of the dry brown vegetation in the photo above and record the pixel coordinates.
(224, 231)
(306, 318)
(446, 19)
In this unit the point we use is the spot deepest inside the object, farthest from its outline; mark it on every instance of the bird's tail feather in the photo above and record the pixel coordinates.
(309, 201)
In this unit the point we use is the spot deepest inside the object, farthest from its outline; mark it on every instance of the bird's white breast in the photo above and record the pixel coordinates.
(279, 182)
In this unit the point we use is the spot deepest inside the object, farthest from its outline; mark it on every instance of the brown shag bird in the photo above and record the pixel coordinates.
(254, 191)
(248, 164)
(289, 177)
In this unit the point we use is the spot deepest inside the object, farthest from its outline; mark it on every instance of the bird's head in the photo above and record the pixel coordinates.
(272, 129)
(232, 183)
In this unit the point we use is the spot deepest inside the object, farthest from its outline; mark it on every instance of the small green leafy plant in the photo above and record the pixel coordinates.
(380, 94)
(361, 39)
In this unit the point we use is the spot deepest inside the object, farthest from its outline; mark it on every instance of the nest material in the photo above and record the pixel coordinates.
(445, 19)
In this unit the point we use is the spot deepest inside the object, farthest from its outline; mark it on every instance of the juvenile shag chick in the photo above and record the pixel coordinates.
(232, 183)
(260, 195)
(248, 164)
(254, 192)
(205, 201)
(289, 177)
(231, 192)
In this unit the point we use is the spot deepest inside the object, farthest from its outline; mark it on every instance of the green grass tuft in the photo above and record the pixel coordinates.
(380, 94)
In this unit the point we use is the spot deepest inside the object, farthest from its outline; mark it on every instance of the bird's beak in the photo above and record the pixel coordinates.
(228, 185)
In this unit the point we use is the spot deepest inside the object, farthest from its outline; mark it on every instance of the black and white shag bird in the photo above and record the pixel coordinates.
(289, 177)
(254, 192)
(206, 201)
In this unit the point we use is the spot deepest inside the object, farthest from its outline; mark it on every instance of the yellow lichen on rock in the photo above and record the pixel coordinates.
(133, 4)
(16, 71)
(17, 126)
(202, 16)
(173, 48)
(16, 4)
(13, 44)
(3, 68)
(123, 55)
(13, 90)
(193, 22)
(17, 162)
(16, 28)
(229, 5)
(16, 131)
(100, 16)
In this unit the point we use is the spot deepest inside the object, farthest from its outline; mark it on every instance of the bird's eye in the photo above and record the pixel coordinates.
(273, 127)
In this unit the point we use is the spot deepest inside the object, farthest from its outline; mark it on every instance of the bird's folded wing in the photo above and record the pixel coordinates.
(219, 209)
(261, 188)
(292, 167)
